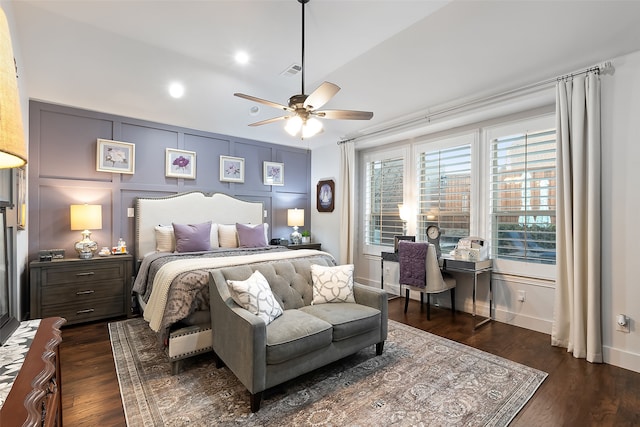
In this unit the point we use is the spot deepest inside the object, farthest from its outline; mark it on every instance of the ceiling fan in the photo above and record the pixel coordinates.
(303, 110)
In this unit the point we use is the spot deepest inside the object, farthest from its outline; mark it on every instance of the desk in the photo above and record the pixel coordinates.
(452, 265)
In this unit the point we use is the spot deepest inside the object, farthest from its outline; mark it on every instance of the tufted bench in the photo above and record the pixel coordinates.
(303, 338)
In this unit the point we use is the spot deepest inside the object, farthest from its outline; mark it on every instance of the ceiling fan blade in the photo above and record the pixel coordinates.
(264, 122)
(321, 95)
(344, 114)
(263, 101)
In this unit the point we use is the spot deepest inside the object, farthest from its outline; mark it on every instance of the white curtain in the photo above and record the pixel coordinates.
(577, 307)
(347, 201)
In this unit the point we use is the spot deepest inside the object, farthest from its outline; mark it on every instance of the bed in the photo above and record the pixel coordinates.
(171, 285)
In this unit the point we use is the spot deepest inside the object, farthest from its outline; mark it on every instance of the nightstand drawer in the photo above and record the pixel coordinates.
(82, 273)
(78, 292)
(87, 311)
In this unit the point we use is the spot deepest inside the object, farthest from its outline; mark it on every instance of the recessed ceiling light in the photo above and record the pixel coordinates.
(242, 57)
(176, 90)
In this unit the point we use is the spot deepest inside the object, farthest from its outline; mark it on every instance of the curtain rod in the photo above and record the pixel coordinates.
(602, 68)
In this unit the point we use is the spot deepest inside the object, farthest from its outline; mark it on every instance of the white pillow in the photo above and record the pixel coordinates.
(255, 295)
(227, 236)
(214, 236)
(332, 284)
(165, 239)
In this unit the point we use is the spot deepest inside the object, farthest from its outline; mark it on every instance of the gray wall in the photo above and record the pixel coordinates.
(62, 171)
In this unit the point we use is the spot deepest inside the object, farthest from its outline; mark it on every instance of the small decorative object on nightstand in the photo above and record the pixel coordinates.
(86, 217)
(306, 236)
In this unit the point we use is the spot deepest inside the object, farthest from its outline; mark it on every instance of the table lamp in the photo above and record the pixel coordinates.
(295, 219)
(13, 150)
(86, 217)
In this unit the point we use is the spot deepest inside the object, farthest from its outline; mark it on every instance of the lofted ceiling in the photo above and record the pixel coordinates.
(395, 58)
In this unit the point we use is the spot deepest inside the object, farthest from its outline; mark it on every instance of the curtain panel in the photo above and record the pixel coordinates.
(347, 201)
(577, 316)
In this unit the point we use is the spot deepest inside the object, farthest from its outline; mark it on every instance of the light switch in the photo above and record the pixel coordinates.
(130, 212)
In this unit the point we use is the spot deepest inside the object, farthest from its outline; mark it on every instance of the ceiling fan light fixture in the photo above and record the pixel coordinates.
(312, 127)
(293, 126)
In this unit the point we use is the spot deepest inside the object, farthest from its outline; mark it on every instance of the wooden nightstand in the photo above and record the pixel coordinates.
(81, 290)
(315, 246)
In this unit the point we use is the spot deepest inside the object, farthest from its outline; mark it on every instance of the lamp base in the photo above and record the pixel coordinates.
(296, 237)
(86, 247)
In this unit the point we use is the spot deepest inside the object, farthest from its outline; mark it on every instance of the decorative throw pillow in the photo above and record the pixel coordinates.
(192, 237)
(213, 236)
(227, 236)
(165, 240)
(332, 284)
(251, 236)
(255, 295)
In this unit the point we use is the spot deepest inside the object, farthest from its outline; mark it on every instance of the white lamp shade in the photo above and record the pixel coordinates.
(86, 217)
(405, 212)
(295, 217)
(13, 150)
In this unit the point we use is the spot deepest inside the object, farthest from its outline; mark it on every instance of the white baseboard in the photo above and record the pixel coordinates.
(621, 359)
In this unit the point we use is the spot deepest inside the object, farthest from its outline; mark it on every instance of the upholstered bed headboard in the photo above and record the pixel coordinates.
(189, 208)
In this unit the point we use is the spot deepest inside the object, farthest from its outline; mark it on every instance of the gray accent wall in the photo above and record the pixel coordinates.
(62, 172)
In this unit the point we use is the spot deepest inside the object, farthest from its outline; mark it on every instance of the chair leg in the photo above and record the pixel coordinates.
(428, 306)
(406, 299)
(453, 301)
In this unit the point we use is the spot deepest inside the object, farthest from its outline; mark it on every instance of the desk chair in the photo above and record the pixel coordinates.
(420, 272)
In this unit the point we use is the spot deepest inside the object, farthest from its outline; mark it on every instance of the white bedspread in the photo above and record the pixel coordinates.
(166, 274)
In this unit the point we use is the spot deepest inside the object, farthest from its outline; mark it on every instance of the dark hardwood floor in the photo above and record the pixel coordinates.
(576, 393)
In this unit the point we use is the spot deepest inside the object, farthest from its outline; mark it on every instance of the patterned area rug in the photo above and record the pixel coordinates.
(421, 379)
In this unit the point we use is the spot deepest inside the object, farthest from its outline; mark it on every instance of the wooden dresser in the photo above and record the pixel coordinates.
(81, 290)
(35, 395)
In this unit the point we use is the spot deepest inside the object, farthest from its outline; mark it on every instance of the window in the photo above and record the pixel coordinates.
(523, 196)
(444, 189)
(384, 191)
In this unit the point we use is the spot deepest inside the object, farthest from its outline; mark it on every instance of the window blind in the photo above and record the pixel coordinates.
(444, 193)
(384, 191)
(523, 197)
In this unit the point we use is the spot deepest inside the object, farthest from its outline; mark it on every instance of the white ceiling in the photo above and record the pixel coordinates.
(393, 57)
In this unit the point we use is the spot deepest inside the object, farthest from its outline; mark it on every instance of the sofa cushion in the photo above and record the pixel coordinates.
(348, 319)
(332, 284)
(295, 334)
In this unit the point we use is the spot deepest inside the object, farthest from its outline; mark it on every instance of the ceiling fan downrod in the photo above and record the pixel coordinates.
(302, 3)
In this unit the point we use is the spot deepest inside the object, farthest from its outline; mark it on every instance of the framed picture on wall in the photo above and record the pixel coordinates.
(273, 173)
(180, 164)
(115, 156)
(231, 169)
(326, 194)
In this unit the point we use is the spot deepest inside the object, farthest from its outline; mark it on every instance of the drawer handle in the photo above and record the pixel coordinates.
(88, 310)
(91, 273)
(85, 292)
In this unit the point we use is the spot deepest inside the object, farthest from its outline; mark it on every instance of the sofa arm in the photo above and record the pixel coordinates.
(376, 298)
(239, 337)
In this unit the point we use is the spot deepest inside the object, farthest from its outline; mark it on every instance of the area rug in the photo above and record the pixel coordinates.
(420, 379)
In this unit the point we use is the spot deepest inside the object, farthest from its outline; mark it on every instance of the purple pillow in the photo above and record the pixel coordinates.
(251, 236)
(192, 237)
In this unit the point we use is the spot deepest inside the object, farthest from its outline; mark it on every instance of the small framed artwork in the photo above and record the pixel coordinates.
(115, 156)
(180, 164)
(273, 173)
(326, 194)
(231, 169)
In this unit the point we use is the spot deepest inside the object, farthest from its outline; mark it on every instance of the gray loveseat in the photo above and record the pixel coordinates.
(303, 338)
